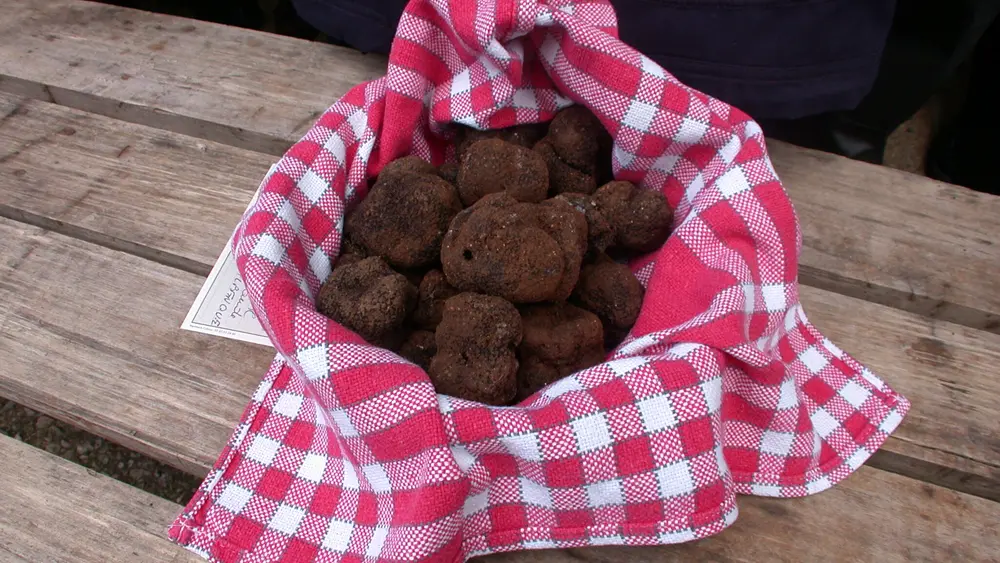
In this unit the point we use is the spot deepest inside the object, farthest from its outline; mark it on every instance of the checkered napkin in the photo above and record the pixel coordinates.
(345, 452)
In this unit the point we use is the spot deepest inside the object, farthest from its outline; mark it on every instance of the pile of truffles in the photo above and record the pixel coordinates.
(495, 273)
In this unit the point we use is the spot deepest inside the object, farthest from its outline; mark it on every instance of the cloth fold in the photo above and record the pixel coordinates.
(723, 387)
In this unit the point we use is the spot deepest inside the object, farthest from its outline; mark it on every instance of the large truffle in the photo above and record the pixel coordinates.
(611, 291)
(493, 166)
(522, 252)
(419, 348)
(640, 218)
(369, 298)
(563, 178)
(404, 218)
(600, 235)
(434, 290)
(559, 339)
(476, 344)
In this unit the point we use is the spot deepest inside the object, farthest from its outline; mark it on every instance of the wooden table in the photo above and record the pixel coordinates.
(130, 144)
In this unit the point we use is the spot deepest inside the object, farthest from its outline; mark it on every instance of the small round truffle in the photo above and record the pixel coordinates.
(575, 134)
(434, 290)
(640, 218)
(611, 291)
(404, 217)
(476, 344)
(568, 228)
(559, 339)
(412, 164)
(367, 297)
(600, 235)
(347, 258)
(419, 348)
(523, 135)
(563, 178)
(449, 171)
(493, 166)
(525, 253)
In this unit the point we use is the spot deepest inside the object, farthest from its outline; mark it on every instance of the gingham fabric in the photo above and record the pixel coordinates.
(345, 452)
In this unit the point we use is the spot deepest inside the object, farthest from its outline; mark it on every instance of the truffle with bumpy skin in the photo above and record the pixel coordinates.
(419, 348)
(525, 253)
(369, 298)
(434, 290)
(404, 217)
(640, 218)
(411, 164)
(563, 178)
(476, 344)
(611, 291)
(600, 235)
(493, 166)
(576, 136)
(559, 339)
(522, 135)
(449, 171)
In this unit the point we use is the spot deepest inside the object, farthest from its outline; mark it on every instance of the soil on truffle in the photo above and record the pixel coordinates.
(434, 290)
(449, 172)
(369, 298)
(522, 135)
(600, 235)
(404, 217)
(476, 344)
(575, 135)
(493, 165)
(419, 348)
(563, 178)
(525, 253)
(640, 218)
(559, 339)
(611, 291)
(408, 164)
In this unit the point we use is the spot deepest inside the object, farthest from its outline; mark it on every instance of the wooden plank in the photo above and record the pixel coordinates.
(57, 511)
(851, 522)
(100, 347)
(895, 238)
(124, 184)
(199, 78)
(143, 202)
(117, 363)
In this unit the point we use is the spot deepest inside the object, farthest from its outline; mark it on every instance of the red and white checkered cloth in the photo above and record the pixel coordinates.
(345, 452)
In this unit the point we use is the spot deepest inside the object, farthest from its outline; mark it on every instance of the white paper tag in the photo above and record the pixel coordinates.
(222, 307)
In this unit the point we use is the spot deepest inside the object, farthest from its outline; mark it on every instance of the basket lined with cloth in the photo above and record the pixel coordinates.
(723, 387)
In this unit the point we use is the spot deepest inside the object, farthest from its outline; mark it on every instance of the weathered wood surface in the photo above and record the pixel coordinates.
(100, 347)
(207, 80)
(895, 238)
(173, 195)
(56, 511)
(260, 91)
(105, 324)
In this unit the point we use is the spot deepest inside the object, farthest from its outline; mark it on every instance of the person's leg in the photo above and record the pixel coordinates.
(965, 152)
(927, 44)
